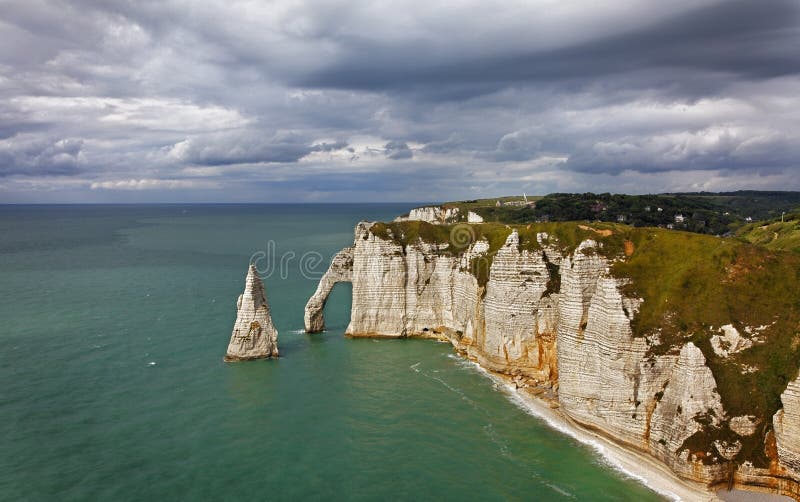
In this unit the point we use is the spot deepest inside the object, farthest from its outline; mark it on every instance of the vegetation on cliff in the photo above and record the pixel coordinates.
(701, 212)
(691, 285)
(565, 236)
(780, 234)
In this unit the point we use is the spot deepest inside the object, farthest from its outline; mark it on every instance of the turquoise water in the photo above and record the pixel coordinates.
(114, 321)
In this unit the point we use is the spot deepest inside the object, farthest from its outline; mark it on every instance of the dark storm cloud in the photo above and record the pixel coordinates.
(741, 38)
(474, 99)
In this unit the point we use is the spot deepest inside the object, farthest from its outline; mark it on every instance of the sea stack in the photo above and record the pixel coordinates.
(254, 336)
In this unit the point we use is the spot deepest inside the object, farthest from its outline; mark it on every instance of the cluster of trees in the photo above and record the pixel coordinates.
(702, 212)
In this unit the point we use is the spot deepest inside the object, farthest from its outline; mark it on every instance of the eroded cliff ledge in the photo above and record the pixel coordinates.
(629, 330)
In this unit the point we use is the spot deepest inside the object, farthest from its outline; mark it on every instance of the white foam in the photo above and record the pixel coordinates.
(560, 490)
(151, 363)
(612, 458)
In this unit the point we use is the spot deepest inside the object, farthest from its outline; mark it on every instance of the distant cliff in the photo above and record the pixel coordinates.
(662, 341)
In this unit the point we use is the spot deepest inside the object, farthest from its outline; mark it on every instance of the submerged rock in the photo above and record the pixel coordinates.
(254, 336)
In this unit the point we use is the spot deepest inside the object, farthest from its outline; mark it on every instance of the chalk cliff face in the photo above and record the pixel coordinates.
(555, 320)
(433, 214)
(438, 215)
(254, 336)
(787, 429)
(473, 217)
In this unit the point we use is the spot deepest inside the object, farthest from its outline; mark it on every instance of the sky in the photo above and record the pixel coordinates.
(370, 101)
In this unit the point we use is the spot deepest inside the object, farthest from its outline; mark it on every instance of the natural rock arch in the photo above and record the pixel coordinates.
(341, 270)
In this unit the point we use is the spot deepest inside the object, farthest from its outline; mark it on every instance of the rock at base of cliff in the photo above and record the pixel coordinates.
(254, 336)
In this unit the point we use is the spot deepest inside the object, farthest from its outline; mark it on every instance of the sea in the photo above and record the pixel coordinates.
(114, 320)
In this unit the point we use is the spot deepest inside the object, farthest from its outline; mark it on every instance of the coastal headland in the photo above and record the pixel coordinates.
(677, 349)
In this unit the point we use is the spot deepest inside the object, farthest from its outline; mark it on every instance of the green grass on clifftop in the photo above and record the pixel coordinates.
(693, 284)
(565, 235)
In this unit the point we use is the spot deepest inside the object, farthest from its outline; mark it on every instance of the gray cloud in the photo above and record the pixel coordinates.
(716, 148)
(453, 143)
(516, 146)
(476, 99)
(247, 148)
(329, 147)
(397, 150)
(31, 156)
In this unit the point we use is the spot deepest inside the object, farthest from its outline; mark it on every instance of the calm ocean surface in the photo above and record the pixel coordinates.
(114, 321)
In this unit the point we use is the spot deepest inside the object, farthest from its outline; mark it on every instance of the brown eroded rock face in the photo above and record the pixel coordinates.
(254, 336)
(603, 232)
(629, 248)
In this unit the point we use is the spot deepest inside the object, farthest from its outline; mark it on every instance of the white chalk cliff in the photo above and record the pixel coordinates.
(254, 336)
(787, 428)
(556, 322)
(433, 214)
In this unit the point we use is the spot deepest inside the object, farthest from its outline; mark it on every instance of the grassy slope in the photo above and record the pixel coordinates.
(775, 234)
(691, 285)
